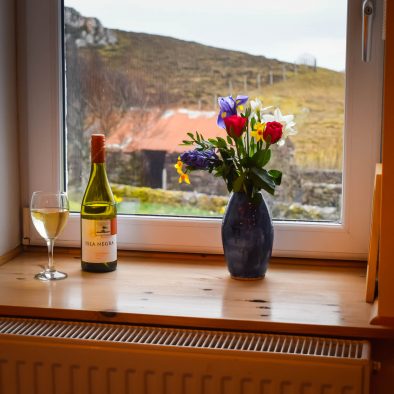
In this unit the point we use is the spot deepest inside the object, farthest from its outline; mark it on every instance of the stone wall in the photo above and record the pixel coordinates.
(303, 195)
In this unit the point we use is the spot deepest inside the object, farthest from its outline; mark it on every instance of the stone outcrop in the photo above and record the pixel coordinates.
(86, 31)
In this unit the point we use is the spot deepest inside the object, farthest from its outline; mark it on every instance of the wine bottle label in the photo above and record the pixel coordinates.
(99, 240)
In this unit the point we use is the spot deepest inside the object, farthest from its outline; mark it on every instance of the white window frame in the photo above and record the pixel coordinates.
(42, 150)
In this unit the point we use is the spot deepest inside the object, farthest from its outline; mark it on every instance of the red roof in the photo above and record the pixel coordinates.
(156, 130)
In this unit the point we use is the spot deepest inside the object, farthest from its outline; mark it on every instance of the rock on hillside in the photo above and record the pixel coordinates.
(86, 31)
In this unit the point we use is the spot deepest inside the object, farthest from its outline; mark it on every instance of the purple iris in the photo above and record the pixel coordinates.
(200, 160)
(228, 106)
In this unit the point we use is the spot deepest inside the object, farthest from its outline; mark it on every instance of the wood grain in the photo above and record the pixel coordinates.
(193, 293)
(10, 255)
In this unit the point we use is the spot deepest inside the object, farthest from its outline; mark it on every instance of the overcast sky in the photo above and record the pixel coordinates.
(281, 29)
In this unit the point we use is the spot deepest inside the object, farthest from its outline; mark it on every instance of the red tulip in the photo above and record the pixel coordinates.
(273, 132)
(235, 125)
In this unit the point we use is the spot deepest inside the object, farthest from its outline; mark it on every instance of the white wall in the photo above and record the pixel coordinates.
(9, 162)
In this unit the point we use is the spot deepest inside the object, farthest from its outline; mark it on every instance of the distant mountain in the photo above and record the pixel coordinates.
(176, 71)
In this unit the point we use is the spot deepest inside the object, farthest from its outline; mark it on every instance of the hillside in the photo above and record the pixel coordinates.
(187, 71)
(317, 99)
(142, 70)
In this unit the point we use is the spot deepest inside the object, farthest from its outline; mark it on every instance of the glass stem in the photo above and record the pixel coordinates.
(50, 243)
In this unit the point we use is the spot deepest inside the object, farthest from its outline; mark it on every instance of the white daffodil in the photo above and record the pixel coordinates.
(287, 122)
(255, 105)
(256, 109)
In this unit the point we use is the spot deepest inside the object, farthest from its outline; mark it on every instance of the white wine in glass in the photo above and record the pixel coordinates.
(49, 213)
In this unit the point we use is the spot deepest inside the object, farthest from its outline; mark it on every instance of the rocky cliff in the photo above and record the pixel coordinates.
(86, 31)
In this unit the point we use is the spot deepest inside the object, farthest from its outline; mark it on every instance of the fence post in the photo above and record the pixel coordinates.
(164, 179)
(271, 77)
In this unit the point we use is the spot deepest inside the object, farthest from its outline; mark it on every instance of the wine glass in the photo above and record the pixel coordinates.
(49, 213)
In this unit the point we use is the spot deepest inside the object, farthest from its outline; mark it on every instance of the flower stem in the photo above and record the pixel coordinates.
(239, 157)
(247, 140)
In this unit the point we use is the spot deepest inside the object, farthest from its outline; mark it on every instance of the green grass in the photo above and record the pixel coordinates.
(163, 209)
(146, 208)
(75, 206)
(147, 201)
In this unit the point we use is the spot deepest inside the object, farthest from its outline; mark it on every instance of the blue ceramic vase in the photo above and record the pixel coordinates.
(247, 236)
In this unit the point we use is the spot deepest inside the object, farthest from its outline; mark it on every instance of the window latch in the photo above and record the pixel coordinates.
(368, 10)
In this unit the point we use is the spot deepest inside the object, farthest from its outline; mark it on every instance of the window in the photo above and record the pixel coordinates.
(148, 80)
(347, 239)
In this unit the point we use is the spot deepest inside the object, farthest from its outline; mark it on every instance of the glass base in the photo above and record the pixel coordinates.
(50, 275)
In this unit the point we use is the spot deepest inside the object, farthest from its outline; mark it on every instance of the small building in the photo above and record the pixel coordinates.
(158, 133)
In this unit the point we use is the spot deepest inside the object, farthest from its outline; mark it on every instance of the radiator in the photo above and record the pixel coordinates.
(48, 356)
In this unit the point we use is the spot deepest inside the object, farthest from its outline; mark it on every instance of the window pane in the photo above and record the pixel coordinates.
(147, 73)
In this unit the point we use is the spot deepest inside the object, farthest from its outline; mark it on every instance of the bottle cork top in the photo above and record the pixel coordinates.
(98, 148)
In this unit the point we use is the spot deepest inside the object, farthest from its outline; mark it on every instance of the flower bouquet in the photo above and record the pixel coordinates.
(240, 158)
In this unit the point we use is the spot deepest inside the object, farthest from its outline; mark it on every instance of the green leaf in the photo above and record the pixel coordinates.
(229, 140)
(252, 123)
(262, 179)
(240, 144)
(252, 146)
(237, 184)
(257, 158)
(256, 198)
(191, 135)
(246, 162)
(213, 141)
(221, 143)
(261, 158)
(276, 175)
(267, 157)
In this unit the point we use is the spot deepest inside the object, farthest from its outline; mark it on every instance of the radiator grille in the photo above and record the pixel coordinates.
(187, 338)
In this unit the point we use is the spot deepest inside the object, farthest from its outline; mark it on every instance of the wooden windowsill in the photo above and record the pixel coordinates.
(187, 291)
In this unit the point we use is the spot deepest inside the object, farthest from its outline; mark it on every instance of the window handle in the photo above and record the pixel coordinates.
(367, 15)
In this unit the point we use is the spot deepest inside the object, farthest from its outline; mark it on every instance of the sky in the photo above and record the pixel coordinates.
(280, 29)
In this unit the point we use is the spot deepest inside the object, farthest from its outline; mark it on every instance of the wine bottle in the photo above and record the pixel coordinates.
(98, 215)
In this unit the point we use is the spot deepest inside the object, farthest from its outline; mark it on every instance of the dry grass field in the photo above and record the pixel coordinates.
(317, 100)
